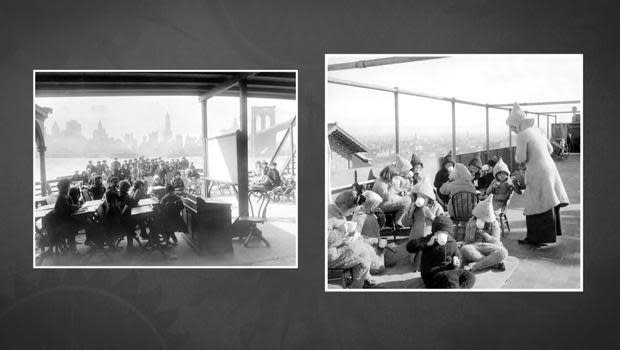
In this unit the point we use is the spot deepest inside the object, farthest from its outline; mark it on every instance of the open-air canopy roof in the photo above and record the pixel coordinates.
(118, 83)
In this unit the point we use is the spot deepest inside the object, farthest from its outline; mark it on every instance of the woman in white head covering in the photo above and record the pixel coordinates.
(544, 193)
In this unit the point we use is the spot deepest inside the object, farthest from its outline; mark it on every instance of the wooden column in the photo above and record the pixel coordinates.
(396, 121)
(242, 149)
(547, 126)
(41, 150)
(205, 152)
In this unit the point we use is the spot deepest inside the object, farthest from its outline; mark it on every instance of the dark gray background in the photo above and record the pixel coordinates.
(266, 309)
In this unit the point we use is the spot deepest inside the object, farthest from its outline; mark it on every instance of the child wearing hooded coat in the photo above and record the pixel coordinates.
(441, 258)
(403, 180)
(443, 175)
(424, 210)
(501, 186)
(347, 250)
(460, 181)
(416, 168)
(475, 168)
(483, 243)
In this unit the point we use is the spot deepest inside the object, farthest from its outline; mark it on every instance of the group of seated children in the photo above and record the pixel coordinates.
(118, 200)
(402, 190)
(266, 177)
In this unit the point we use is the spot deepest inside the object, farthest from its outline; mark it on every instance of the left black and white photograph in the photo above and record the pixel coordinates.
(156, 169)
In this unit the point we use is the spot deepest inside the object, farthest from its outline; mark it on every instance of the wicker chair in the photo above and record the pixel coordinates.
(463, 204)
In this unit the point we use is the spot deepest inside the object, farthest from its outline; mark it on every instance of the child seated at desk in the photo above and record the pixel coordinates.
(177, 182)
(64, 208)
(125, 203)
(171, 205)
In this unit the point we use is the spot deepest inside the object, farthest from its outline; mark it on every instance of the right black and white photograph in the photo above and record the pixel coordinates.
(454, 172)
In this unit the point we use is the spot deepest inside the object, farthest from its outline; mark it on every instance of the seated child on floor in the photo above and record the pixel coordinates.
(441, 258)
(502, 186)
(483, 244)
(347, 249)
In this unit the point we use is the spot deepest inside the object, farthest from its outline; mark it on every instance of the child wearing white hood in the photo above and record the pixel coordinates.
(483, 243)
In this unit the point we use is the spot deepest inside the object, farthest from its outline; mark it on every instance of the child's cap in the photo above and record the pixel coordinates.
(442, 223)
(484, 210)
(499, 167)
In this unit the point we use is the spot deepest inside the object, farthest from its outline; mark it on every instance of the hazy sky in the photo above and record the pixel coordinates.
(479, 78)
(144, 114)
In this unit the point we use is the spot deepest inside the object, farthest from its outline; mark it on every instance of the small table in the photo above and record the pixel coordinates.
(142, 210)
(148, 201)
(94, 203)
(39, 213)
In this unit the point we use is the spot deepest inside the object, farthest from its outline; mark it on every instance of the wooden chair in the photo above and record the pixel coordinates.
(390, 225)
(502, 214)
(85, 194)
(258, 203)
(462, 205)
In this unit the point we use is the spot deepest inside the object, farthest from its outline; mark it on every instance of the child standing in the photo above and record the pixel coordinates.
(502, 186)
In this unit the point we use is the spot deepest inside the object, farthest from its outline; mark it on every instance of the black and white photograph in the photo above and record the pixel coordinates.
(454, 172)
(191, 169)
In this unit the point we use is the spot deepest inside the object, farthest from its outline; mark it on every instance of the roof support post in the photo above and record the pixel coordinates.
(242, 149)
(205, 151)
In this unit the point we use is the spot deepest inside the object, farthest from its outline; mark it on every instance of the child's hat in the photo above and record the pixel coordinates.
(499, 167)
(484, 210)
(517, 117)
(476, 161)
(401, 164)
(447, 159)
(442, 223)
(415, 160)
(424, 187)
(460, 172)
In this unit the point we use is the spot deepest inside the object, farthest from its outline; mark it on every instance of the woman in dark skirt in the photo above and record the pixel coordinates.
(544, 193)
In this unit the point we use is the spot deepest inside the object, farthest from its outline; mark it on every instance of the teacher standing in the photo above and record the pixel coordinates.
(544, 193)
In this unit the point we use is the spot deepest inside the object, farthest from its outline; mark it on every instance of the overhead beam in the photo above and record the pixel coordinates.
(378, 62)
(218, 89)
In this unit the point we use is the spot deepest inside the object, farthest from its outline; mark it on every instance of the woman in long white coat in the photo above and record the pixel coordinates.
(544, 190)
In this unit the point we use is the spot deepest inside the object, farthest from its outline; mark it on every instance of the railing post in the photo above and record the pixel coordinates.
(487, 122)
(396, 121)
(454, 128)
(510, 143)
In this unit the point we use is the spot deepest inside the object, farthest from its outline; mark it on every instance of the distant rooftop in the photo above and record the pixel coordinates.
(337, 134)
